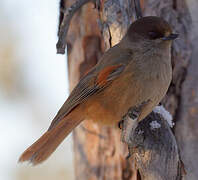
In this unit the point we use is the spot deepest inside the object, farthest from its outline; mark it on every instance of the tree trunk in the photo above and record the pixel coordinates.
(99, 152)
(186, 130)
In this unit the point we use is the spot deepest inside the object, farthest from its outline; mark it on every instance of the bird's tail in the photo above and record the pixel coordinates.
(49, 141)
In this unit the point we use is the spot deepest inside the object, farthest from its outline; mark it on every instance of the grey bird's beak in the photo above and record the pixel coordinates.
(170, 37)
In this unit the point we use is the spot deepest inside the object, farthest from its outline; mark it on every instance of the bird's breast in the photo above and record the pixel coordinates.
(130, 89)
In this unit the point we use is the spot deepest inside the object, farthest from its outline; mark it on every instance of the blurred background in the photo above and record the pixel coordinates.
(33, 86)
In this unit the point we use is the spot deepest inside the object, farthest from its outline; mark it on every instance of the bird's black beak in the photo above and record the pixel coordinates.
(170, 37)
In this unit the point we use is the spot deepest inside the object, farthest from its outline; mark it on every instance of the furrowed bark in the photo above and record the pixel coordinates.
(99, 152)
(186, 130)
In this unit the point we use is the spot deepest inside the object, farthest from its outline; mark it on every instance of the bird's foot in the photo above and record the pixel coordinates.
(120, 124)
(129, 124)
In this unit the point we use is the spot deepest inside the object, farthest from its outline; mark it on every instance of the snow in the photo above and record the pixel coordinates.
(155, 125)
(44, 86)
(165, 114)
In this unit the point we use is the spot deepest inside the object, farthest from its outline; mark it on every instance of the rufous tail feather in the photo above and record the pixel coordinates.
(49, 141)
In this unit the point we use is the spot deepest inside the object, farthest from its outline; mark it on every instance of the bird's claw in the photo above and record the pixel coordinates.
(120, 124)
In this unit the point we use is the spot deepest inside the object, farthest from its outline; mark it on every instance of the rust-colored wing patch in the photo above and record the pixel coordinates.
(108, 73)
(89, 85)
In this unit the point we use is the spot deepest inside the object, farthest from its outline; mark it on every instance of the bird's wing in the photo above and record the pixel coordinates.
(90, 84)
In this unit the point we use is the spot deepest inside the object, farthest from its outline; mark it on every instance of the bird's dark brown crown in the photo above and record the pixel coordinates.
(150, 27)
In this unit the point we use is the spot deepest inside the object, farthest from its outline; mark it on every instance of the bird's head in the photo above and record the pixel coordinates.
(150, 30)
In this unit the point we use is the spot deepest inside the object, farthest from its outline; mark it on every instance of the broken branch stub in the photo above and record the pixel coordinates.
(154, 149)
(68, 14)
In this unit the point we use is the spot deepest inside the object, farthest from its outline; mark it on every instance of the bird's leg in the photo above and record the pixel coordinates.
(132, 113)
(129, 123)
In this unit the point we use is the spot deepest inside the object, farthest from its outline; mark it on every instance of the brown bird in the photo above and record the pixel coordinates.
(136, 70)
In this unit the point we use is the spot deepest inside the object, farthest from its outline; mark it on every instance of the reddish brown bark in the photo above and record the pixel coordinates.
(99, 152)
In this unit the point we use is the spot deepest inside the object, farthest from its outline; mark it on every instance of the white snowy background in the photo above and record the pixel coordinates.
(33, 86)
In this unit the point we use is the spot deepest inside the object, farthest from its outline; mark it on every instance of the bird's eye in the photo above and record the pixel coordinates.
(154, 35)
